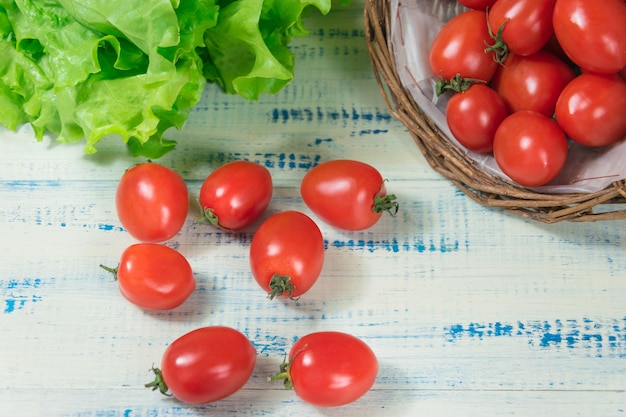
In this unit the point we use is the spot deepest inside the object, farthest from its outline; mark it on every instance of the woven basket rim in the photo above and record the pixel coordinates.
(452, 163)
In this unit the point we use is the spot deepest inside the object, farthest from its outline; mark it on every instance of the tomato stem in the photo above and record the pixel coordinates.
(386, 203)
(456, 84)
(158, 383)
(111, 270)
(284, 373)
(209, 215)
(500, 49)
(280, 284)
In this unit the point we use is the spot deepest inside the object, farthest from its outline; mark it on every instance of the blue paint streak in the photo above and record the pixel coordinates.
(283, 115)
(395, 246)
(595, 337)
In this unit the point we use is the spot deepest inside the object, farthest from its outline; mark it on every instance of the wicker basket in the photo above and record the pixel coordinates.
(446, 158)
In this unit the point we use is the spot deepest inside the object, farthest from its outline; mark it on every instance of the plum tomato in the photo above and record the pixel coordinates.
(236, 194)
(329, 368)
(154, 276)
(459, 48)
(287, 254)
(477, 4)
(474, 115)
(152, 202)
(592, 33)
(522, 27)
(592, 108)
(530, 148)
(347, 194)
(532, 82)
(205, 365)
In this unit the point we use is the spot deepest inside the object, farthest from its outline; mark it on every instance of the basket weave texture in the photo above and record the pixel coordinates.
(446, 158)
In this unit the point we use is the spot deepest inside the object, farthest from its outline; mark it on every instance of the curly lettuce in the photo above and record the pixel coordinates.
(86, 69)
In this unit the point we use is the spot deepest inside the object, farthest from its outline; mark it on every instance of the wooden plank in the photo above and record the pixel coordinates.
(471, 311)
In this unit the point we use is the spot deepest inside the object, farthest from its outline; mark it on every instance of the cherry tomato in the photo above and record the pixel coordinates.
(525, 26)
(530, 148)
(347, 194)
(592, 33)
(205, 365)
(532, 82)
(154, 276)
(474, 115)
(329, 369)
(152, 202)
(459, 48)
(477, 4)
(592, 109)
(236, 194)
(287, 254)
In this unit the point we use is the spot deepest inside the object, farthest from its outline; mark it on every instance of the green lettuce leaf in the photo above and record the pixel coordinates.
(89, 69)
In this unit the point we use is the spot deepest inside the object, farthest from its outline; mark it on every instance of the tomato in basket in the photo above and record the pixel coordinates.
(522, 27)
(235, 194)
(592, 109)
(530, 148)
(205, 365)
(154, 276)
(474, 115)
(329, 368)
(459, 48)
(477, 4)
(532, 82)
(592, 33)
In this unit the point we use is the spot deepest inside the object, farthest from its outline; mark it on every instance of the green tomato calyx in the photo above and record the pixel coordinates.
(279, 285)
(383, 202)
(158, 383)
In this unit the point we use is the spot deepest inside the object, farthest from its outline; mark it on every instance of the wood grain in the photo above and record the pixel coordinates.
(471, 311)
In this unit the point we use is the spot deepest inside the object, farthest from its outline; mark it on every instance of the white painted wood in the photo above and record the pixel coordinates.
(471, 311)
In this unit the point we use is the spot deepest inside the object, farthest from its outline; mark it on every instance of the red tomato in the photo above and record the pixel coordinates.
(459, 48)
(236, 194)
(347, 194)
(526, 24)
(154, 276)
(532, 82)
(592, 109)
(592, 33)
(530, 148)
(474, 115)
(477, 4)
(329, 369)
(287, 254)
(152, 202)
(205, 365)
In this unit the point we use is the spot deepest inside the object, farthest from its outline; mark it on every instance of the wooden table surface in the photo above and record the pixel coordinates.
(470, 311)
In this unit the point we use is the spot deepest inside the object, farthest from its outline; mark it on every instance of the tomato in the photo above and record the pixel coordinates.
(459, 48)
(236, 194)
(477, 4)
(525, 25)
(205, 365)
(592, 109)
(287, 254)
(347, 194)
(592, 33)
(532, 82)
(530, 148)
(329, 369)
(152, 202)
(474, 115)
(154, 276)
